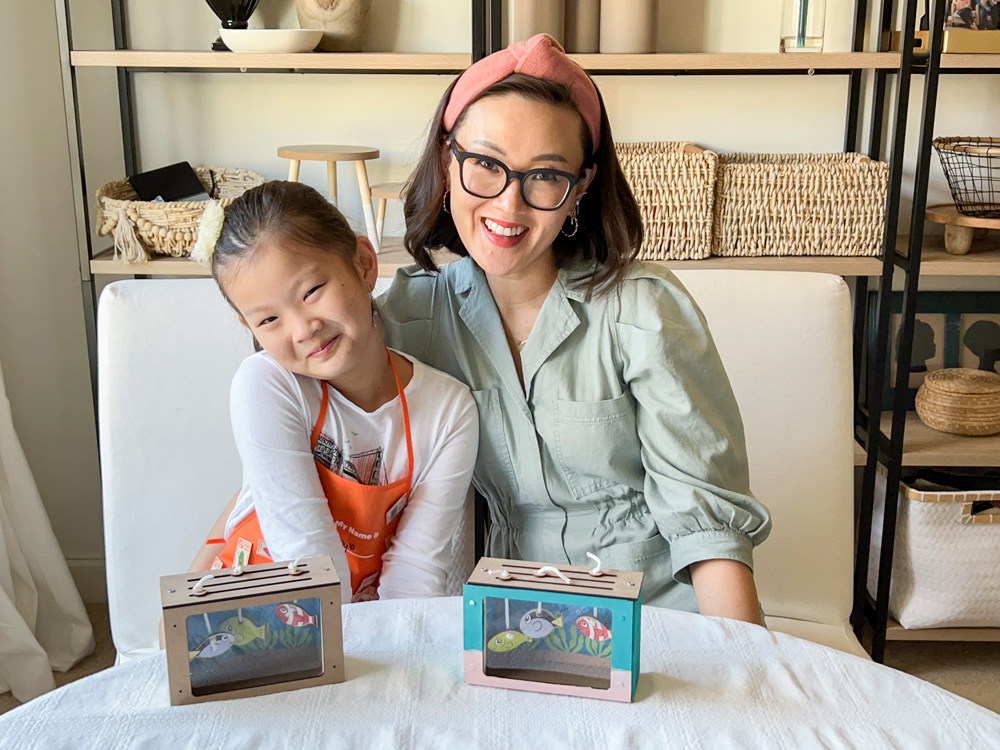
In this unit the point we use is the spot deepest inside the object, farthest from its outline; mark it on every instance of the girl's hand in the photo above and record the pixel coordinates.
(725, 588)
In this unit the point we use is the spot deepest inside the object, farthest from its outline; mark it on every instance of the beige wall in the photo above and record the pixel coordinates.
(239, 119)
(43, 348)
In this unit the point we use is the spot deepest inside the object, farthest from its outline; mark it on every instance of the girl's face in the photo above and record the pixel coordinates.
(504, 235)
(309, 309)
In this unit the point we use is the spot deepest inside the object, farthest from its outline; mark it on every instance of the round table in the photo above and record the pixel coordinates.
(705, 682)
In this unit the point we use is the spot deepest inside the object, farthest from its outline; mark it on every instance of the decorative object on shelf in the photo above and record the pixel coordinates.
(946, 561)
(332, 154)
(960, 401)
(163, 228)
(274, 41)
(802, 25)
(799, 204)
(959, 230)
(570, 630)
(628, 27)
(252, 630)
(951, 330)
(233, 14)
(971, 27)
(674, 185)
(972, 167)
(530, 17)
(583, 26)
(344, 23)
(975, 15)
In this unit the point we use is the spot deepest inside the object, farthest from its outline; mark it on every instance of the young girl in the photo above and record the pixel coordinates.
(608, 422)
(349, 449)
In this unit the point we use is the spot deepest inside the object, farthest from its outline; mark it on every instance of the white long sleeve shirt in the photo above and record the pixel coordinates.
(273, 413)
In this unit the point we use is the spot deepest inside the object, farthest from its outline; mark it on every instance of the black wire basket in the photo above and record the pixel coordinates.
(972, 168)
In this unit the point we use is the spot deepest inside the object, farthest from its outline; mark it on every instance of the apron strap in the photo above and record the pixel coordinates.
(325, 400)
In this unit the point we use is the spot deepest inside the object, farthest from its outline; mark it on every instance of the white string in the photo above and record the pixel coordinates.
(596, 571)
(293, 566)
(208, 625)
(506, 613)
(550, 570)
(199, 588)
(239, 615)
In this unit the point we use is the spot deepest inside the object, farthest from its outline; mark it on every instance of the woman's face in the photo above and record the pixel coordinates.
(504, 235)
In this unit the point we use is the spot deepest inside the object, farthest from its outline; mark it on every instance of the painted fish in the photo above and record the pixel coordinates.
(592, 628)
(294, 615)
(538, 623)
(215, 644)
(508, 640)
(245, 631)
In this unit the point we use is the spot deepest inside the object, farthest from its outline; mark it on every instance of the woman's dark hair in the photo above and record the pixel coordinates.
(610, 226)
(286, 214)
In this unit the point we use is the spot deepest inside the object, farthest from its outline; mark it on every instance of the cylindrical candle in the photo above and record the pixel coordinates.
(628, 26)
(530, 17)
(583, 25)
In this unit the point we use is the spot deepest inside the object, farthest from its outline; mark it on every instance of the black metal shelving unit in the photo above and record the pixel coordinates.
(869, 361)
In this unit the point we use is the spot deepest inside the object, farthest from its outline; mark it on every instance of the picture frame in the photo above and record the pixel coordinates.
(952, 329)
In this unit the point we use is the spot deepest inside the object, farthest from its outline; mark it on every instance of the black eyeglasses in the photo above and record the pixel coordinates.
(486, 177)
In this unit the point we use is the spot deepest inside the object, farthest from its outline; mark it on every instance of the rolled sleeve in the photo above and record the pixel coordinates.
(697, 483)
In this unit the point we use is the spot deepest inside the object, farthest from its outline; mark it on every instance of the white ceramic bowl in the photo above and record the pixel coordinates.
(275, 41)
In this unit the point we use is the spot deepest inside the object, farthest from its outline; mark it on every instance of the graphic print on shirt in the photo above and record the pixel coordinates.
(365, 468)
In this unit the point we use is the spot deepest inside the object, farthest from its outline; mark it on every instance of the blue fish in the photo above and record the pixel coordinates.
(538, 623)
(215, 644)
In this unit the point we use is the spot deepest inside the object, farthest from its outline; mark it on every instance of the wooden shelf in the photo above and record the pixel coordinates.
(896, 632)
(375, 62)
(984, 260)
(392, 257)
(923, 446)
(955, 61)
(660, 63)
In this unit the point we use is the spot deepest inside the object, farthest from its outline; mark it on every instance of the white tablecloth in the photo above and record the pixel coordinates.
(705, 682)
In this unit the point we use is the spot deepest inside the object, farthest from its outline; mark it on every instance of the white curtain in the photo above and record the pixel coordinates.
(43, 623)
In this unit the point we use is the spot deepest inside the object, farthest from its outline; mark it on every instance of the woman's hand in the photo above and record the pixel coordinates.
(725, 588)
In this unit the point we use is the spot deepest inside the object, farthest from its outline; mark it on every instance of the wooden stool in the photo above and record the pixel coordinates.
(959, 230)
(385, 192)
(331, 155)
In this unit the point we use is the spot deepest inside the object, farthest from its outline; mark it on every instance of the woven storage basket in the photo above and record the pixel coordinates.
(946, 560)
(144, 227)
(799, 204)
(960, 401)
(674, 185)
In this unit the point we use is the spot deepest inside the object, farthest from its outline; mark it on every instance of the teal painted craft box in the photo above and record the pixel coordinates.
(564, 629)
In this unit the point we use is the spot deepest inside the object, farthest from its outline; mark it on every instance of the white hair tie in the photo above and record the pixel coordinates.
(209, 229)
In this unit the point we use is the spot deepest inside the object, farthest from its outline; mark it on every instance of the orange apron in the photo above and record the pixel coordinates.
(366, 516)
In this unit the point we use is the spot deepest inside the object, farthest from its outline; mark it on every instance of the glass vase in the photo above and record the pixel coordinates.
(802, 25)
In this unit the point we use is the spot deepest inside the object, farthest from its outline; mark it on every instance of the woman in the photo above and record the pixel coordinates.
(607, 423)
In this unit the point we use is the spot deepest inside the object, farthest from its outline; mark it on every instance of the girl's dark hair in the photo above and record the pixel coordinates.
(610, 226)
(286, 214)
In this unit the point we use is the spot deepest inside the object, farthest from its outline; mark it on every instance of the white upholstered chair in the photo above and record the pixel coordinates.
(167, 350)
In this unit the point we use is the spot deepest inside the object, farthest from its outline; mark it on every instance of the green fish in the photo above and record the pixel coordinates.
(508, 640)
(244, 632)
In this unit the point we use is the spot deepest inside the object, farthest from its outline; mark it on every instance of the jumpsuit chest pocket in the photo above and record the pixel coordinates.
(596, 443)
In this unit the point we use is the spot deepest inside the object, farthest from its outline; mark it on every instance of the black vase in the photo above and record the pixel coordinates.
(233, 14)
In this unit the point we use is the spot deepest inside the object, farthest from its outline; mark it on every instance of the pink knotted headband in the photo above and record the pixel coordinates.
(540, 57)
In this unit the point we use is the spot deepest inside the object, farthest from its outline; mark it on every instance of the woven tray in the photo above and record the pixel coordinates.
(960, 401)
(674, 185)
(144, 227)
(799, 204)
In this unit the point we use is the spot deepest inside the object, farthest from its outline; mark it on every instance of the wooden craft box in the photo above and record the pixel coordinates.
(567, 631)
(261, 631)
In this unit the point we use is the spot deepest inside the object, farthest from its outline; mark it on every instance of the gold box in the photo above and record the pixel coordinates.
(964, 41)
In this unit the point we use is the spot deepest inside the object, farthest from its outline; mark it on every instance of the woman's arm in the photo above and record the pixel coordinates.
(725, 588)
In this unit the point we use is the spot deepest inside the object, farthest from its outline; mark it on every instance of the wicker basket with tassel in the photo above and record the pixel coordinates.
(141, 228)
(674, 185)
(960, 401)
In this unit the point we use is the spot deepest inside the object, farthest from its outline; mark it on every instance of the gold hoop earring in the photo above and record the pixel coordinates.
(576, 226)
(444, 202)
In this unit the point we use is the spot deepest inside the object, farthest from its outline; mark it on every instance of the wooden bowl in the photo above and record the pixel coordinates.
(960, 401)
